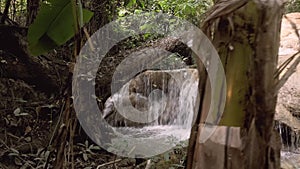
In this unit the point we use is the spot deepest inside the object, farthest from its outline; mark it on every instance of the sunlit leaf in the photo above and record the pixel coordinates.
(130, 3)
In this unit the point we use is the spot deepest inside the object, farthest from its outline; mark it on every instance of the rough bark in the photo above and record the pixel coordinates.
(264, 94)
(246, 36)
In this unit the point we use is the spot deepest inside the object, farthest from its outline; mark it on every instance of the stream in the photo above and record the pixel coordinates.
(160, 136)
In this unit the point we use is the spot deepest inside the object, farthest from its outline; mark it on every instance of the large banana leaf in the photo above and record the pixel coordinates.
(54, 25)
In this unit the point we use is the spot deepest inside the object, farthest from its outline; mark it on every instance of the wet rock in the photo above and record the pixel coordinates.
(290, 137)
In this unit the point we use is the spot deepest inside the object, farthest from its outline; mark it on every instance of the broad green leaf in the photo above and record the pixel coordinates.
(53, 26)
(62, 28)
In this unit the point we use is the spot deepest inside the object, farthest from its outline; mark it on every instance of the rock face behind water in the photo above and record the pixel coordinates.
(161, 96)
(288, 106)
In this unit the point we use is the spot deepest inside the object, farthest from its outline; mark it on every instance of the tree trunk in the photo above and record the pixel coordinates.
(246, 36)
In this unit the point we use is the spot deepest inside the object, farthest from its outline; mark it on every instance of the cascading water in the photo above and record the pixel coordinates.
(290, 138)
(166, 117)
(290, 154)
(183, 89)
(186, 108)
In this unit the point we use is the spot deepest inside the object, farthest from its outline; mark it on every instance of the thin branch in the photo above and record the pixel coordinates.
(5, 12)
(294, 26)
(108, 163)
(89, 39)
(285, 64)
(289, 72)
(8, 20)
(293, 67)
(222, 8)
(148, 165)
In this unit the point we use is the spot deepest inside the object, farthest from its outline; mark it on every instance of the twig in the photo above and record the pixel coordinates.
(141, 164)
(3, 166)
(148, 165)
(89, 39)
(293, 67)
(5, 12)
(108, 163)
(294, 26)
(289, 72)
(4, 143)
(14, 136)
(56, 126)
(285, 64)
(71, 145)
(52, 136)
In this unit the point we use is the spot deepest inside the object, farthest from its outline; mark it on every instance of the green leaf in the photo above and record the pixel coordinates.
(53, 26)
(141, 4)
(94, 147)
(62, 28)
(137, 11)
(130, 3)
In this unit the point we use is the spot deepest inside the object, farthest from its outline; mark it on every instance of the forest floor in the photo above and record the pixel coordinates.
(29, 124)
(27, 129)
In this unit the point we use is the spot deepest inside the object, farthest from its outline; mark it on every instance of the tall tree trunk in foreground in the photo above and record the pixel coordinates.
(246, 36)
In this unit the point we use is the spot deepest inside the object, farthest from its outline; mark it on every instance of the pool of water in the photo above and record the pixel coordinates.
(148, 141)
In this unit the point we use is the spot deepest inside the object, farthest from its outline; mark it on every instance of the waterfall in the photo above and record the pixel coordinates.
(182, 98)
(188, 95)
(157, 108)
(166, 100)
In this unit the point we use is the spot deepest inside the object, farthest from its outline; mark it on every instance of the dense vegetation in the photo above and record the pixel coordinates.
(40, 41)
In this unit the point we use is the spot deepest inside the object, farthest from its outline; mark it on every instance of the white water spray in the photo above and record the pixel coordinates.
(170, 112)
